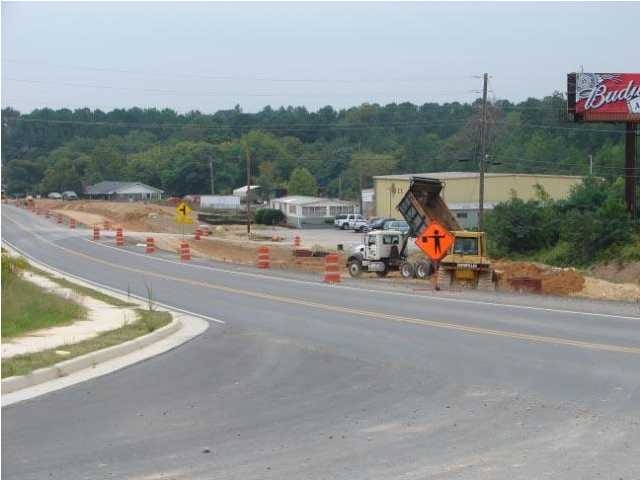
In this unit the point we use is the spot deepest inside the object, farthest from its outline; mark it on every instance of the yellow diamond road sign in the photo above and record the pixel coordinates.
(183, 212)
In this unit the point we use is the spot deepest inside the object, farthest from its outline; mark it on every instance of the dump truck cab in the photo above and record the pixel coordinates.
(382, 251)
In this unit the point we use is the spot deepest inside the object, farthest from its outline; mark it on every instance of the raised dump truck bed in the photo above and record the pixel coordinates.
(423, 204)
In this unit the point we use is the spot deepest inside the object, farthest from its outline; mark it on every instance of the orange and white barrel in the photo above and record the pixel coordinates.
(263, 257)
(151, 246)
(185, 252)
(119, 237)
(331, 268)
(96, 232)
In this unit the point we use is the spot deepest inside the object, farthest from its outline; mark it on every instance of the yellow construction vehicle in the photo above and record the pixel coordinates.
(466, 262)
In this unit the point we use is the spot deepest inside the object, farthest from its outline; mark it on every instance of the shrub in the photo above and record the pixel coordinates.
(269, 216)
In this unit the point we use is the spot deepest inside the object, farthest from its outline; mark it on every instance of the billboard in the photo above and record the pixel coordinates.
(604, 97)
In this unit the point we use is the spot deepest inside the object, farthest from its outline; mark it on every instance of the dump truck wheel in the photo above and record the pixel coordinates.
(423, 269)
(355, 268)
(406, 270)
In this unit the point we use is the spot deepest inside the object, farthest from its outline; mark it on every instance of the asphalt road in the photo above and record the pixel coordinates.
(356, 381)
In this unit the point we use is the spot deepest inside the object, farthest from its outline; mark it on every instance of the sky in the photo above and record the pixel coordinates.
(213, 56)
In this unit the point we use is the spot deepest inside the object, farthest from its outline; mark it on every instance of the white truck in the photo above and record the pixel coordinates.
(345, 221)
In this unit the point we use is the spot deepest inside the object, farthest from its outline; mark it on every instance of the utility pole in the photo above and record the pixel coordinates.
(590, 164)
(248, 196)
(360, 179)
(211, 174)
(483, 152)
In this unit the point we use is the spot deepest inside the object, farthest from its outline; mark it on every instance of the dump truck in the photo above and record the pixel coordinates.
(466, 262)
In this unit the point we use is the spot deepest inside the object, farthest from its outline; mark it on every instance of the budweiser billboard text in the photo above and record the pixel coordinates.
(602, 97)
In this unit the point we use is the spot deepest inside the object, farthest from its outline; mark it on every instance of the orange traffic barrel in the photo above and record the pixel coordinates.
(205, 230)
(331, 268)
(185, 252)
(296, 241)
(96, 232)
(151, 246)
(198, 234)
(119, 237)
(72, 223)
(263, 257)
(59, 218)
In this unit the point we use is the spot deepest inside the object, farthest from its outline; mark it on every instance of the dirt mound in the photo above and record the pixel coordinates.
(613, 272)
(555, 281)
(133, 216)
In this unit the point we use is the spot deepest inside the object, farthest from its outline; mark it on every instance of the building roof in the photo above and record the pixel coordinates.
(111, 187)
(453, 175)
(243, 189)
(305, 200)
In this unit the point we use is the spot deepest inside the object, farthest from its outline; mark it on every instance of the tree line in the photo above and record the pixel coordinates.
(326, 152)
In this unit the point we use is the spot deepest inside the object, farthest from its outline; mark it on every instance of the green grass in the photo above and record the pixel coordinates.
(89, 292)
(147, 322)
(27, 307)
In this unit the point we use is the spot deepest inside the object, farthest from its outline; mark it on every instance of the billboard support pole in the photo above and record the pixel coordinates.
(630, 171)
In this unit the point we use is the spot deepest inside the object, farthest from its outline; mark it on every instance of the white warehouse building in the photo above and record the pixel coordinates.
(301, 211)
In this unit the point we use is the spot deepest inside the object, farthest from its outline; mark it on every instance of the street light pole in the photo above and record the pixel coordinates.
(248, 196)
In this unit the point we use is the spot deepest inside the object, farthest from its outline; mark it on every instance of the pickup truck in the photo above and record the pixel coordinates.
(344, 221)
(358, 223)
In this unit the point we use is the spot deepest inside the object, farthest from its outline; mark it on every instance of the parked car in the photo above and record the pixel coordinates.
(397, 225)
(377, 223)
(339, 220)
(69, 195)
(344, 221)
(357, 222)
(54, 196)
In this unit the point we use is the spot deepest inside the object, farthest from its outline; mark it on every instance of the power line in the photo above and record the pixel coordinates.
(261, 78)
(257, 126)
(201, 94)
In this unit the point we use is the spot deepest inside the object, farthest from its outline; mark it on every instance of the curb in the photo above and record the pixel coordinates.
(106, 360)
(89, 360)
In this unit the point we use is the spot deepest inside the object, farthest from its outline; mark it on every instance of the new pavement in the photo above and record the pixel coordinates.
(356, 381)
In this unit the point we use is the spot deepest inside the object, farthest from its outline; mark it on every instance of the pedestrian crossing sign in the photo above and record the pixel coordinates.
(435, 241)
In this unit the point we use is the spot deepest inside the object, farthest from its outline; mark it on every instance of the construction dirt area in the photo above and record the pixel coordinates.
(229, 243)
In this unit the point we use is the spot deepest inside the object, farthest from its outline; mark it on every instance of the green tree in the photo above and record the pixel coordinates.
(302, 182)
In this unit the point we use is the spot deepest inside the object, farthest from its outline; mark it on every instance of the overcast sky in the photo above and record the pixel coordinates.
(211, 56)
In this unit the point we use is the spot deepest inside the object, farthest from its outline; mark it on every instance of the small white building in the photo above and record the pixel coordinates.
(220, 202)
(467, 214)
(301, 211)
(241, 192)
(123, 191)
